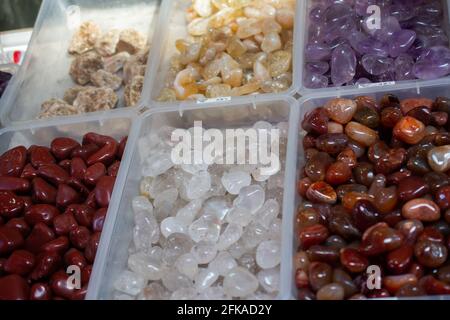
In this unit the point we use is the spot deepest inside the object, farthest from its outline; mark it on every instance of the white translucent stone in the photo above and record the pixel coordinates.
(217, 189)
(122, 297)
(217, 207)
(187, 264)
(258, 175)
(174, 246)
(237, 250)
(268, 254)
(223, 263)
(239, 216)
(204, 229)
(234, 181)
(145, 185)
(194, 168)
(269, 211)
(232, 234)
(276, 181)
(174, 280)
(172, 225)
(145, 265)
(261, 296)
(275, 230)
(165, 135)
(269, 279)
(198, 185)
(248, 262)
(250, 198)
(205, 278)
(154, 291)
(155, 252)
(157, 164)
(130, 283)
(240, 283)
(161, 184)
(184, 294)
(253, 235)
(213, 293)
(167, 196)
(141, 203)
(146, 231)
(187, 214)
(204, 252)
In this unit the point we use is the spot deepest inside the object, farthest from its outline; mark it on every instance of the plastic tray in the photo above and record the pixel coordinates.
(307, 104)
(117, 233)
(45, 71)
(171, 27)
(304, 7)
(117, 125)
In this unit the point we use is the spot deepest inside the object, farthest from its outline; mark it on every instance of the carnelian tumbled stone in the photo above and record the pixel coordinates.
(409, 130)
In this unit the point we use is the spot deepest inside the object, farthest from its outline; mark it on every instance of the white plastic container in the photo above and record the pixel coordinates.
(113, 254)
(304, 7)
(45, 70)
(172, 26)
(307, 104)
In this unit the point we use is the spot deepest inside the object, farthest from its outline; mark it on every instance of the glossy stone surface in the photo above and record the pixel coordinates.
(421, 209)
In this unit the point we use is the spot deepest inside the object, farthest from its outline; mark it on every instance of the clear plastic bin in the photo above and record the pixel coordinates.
(45, 70)
(307, 104)
(117, 125)
(305, 7)
(117, 233)
(172, 26)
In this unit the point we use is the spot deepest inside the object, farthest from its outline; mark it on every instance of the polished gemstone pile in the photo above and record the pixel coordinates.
(347, 45)
(103, 62)
(203, 232)
(376, 187)
(233, 48)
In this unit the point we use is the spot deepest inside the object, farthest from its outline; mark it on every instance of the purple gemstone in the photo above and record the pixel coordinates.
(401, 41)
(362, 81)
(366, 45)
(316, 14)
(343, 65)
(377, 65)
(403, 65)
(317, 67)
(317, 51)
(403, 11)
(434, 63)
(315, 81)
(389, 26)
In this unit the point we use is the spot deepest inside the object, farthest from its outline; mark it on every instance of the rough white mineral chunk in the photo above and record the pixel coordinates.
(268, 254)
(240, 283)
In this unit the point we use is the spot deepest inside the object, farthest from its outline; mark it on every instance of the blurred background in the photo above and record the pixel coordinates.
(17, 14)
